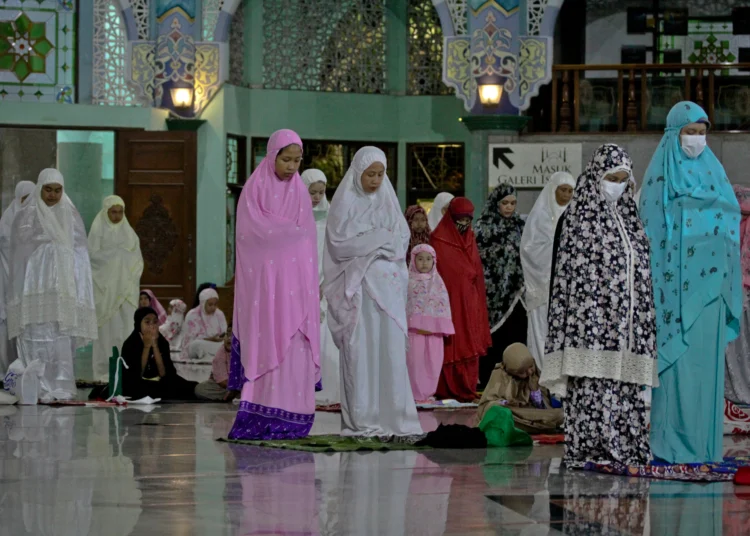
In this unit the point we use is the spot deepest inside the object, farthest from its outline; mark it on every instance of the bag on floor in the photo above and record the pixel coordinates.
(497, 424)
(116, 362)
(10, 382)
(23, 382)
(28, 394)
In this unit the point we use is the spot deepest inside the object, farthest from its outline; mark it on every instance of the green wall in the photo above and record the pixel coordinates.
(70, 116)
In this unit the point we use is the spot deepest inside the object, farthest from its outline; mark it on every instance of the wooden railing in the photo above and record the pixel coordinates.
(636, 97)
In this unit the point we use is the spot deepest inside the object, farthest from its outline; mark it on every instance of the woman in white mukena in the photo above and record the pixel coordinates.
(536, 255)
(365, 283)
(116, 268)
(51, 305)
(330, 369)
(7, 347)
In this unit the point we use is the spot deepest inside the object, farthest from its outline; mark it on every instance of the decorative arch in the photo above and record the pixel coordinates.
(228, 9)
(110, 55)
(135, 14)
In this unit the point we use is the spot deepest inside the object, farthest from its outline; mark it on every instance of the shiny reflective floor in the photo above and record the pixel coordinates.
(109, 472)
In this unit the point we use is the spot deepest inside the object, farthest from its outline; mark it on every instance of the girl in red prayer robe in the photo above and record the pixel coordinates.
(462, 271)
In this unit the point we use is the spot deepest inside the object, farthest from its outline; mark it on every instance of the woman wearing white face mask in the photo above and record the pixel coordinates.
(601, 344)
(692, 217)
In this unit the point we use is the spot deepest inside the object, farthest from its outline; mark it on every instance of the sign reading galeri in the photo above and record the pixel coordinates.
(530, 165)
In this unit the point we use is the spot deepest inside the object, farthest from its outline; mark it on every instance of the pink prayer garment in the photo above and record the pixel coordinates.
(156, 306)
(276, 327)
(428, 310)
(743, 197)
(173, 326)
(220, 366)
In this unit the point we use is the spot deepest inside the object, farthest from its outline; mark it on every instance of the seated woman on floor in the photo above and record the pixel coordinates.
(515, 384)
(148, 299)
(172, 328)
(204, 328)
(201, 288)
(215, 388)
(150, 369)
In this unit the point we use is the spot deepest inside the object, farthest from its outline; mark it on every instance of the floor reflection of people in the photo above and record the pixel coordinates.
(503, 468)
(687, 509)
(57, 486)
(327, 484)
(279, 495)
(427, 503)
(465, 510)
(373, 493)
(591, 503)
(394, 493)
(116, 495)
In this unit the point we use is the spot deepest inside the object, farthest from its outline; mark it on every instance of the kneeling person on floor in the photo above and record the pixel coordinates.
(215, 388)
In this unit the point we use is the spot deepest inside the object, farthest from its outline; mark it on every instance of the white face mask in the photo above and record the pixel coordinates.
(693, 146)
(612, 191)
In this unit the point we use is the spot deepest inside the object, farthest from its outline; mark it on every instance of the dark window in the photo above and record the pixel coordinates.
(432, 168)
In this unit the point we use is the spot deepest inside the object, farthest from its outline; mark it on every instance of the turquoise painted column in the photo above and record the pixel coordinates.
(176, 34)
(81, 165)
(397, 36)
(254, 44)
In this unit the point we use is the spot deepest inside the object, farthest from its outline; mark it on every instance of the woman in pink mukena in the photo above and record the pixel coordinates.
(428, 312)
(276, 329)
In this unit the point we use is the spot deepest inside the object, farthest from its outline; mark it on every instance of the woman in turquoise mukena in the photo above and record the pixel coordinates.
(692, 218)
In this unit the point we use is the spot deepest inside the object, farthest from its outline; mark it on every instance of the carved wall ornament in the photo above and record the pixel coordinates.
(158, 234)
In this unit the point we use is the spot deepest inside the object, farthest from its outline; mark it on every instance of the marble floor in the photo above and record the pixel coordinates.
(111, 472)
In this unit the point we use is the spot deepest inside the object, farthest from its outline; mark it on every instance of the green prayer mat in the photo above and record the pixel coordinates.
(500, 431)
(330, 443)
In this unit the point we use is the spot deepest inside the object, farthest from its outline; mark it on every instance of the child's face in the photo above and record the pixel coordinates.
(317, 192)
(419, 222)
(424, 262)
(144, 301)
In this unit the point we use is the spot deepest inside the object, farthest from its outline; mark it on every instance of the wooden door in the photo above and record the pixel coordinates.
(156, 177)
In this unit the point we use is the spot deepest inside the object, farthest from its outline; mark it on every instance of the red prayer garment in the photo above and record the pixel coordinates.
(461, 268)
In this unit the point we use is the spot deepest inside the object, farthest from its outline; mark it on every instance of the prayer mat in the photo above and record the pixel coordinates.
(548, 439)
(195, 401)
(330, 408)
(690, 472)
(445, 404)
(334, 443)
(422, 406)
(87, 384)
(82, 403)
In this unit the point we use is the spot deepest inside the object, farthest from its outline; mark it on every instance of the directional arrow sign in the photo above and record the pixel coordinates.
(499, 153)
(530, 165)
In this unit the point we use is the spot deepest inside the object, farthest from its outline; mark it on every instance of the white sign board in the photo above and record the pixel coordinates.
(530, 165)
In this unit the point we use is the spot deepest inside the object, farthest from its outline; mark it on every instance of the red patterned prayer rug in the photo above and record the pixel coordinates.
(736, 420)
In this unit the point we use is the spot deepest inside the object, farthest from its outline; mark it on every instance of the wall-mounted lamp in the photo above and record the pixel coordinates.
(490, 94)
(182, 97)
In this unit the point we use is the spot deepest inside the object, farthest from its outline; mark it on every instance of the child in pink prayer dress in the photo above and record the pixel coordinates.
(428, 312)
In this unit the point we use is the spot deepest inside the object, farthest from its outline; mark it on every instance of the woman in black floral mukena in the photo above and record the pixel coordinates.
(498, 231)
(600, 349)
